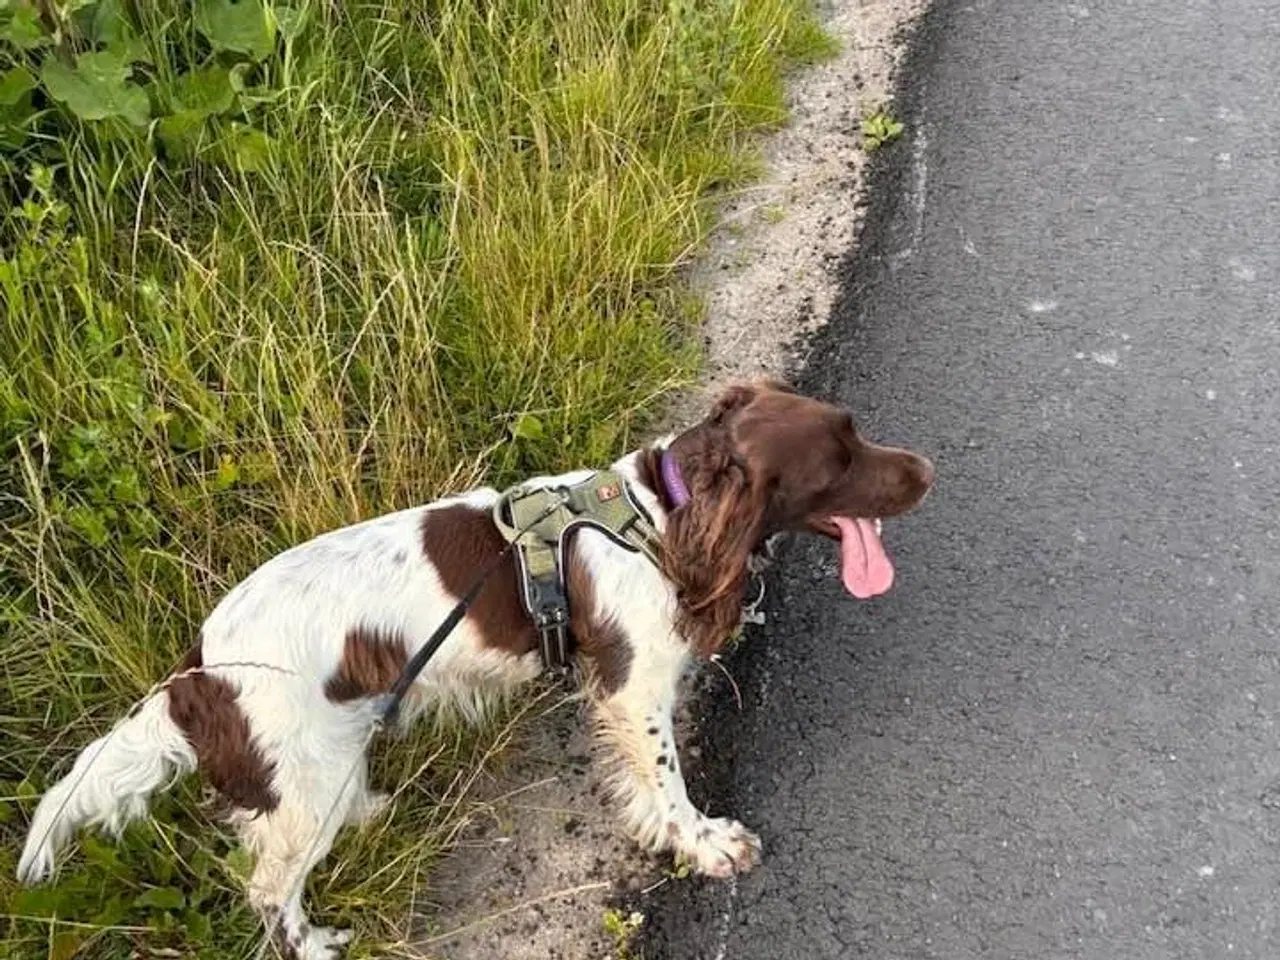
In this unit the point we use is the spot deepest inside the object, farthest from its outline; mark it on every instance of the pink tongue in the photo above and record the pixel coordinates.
(865, 568)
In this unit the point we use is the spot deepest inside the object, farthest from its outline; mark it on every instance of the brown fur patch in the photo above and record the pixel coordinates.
(372, 660)
(461, 541)
(601, 642)
(204, 708)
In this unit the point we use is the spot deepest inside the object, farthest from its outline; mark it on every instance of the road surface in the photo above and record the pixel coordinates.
(1057, 737)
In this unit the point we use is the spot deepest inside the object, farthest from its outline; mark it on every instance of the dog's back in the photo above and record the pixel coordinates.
(280, 682)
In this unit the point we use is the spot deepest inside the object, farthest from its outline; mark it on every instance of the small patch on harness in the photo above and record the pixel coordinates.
(610, 491)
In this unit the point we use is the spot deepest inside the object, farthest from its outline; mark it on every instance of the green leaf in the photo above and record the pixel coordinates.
(250, 148)
(15, 129)
(180, 134)
(240, 863)
(37, 902)
(99, 853)
(106, 24)
(112, 912)
(528, 427)
(878, 129)
(89, 523)
(16, 110)
(207, 91)
(199, 927)
(185, 433)
(228, 474)
(15, 85)
(66, 944)
(97, 87)
(126, 486)
(23, 28)
(201, 864)
(161, 898)
(131, 49)
(243, 27)
(237, 75)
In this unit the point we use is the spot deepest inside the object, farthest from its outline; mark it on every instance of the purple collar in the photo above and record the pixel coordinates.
(673, 480)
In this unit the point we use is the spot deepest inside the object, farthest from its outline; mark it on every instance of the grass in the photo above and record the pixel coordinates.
(330, 261)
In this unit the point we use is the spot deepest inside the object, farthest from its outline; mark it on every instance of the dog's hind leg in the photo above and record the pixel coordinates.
(287, 844)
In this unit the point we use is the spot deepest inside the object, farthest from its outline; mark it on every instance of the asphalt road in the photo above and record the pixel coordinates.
(1057, 737)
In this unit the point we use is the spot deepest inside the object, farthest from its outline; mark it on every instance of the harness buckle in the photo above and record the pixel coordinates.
(553, 639)
(549, 609)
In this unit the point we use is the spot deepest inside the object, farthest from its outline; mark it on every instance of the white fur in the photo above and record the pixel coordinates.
(109, 784)
(289, 619)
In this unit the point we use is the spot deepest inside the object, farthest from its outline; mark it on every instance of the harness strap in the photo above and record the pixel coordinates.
(604, 502)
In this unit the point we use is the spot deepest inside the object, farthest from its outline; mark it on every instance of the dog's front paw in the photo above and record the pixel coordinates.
(722, 847)
(323, 943)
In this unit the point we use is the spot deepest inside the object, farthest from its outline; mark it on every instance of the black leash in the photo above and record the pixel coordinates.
(389, 710)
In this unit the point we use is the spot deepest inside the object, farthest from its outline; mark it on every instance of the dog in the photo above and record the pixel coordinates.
(273, 704)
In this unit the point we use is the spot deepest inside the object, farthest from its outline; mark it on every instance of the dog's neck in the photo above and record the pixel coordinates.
(644, 469)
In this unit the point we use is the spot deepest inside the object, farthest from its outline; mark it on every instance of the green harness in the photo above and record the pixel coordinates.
(603, 502)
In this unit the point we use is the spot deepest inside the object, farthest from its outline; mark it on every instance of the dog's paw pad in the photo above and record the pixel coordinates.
(723, 847)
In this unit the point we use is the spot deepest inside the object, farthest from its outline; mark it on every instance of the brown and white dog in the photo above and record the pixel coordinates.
(275, 702)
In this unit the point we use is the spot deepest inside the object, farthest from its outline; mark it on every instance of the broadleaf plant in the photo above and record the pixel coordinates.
(97, 87)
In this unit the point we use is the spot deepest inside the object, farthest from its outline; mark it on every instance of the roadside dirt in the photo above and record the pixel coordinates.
(537, 870)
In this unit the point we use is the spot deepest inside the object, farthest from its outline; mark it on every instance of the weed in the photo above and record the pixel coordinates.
(621, 928)
(267, 268)
(878, 129)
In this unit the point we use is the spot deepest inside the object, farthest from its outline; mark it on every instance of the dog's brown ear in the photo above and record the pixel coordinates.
(775, 384)
(738, 395)
(730, 400)
(708, 542)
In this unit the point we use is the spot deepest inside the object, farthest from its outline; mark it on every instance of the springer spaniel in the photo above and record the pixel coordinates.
(275, 702)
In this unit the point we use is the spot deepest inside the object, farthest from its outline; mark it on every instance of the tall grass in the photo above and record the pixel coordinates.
(443, 249)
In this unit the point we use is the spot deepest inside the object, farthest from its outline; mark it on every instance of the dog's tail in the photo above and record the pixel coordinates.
(109, 784)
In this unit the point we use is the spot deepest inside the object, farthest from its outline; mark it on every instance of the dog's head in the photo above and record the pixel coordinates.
(764, 461)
